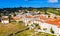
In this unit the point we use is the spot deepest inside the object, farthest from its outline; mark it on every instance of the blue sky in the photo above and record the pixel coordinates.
(29, 3)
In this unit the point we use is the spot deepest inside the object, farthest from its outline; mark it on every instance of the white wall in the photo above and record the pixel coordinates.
(5, 21)
(59, 31)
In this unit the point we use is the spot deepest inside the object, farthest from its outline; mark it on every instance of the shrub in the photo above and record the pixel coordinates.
(51, 30)
(48, 16)
(20, 21)
(13, 21)
(36, 24)
(55, 17)
(44, 28)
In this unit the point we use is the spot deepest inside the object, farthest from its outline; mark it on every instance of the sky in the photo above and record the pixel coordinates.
(29, 3)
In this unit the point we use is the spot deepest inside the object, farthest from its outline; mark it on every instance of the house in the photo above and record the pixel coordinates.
(5, 19)
(52, 15)
(45, 27)
(59, 31)
(26, 19)
(17, 18)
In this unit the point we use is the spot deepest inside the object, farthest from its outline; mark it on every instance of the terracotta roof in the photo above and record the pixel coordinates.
(40, 21)
(4, 16)
(43, 17)
(36, 16)
(28, 16)
(16, 18)
(53, 21)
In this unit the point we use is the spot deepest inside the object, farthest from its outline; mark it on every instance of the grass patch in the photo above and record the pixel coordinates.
(25, 33)
(44, 34)
(6, 29)
(30, 32)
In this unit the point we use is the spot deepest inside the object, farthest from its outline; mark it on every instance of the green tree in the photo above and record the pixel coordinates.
(0, 16)
(48, 16)
(51, 30)
(14, 14)
(9, 18)
(55, 17)
(45, 10)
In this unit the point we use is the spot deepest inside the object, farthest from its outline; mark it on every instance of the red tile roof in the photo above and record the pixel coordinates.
(28, 16)
(16, 18)
(53, 21)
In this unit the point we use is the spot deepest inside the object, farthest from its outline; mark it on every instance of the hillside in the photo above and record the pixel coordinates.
(43, 9)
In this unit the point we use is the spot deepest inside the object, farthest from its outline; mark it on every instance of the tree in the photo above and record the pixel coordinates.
(37, 25)
(48, 16)
(0, 16)
(9, 18)
(14, 14)
(45, 10)
(55, 17)
(51, 30)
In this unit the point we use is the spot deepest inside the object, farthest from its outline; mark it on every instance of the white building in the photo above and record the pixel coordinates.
(5, 19)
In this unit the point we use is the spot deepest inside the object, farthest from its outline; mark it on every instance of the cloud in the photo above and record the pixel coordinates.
(52, 1)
